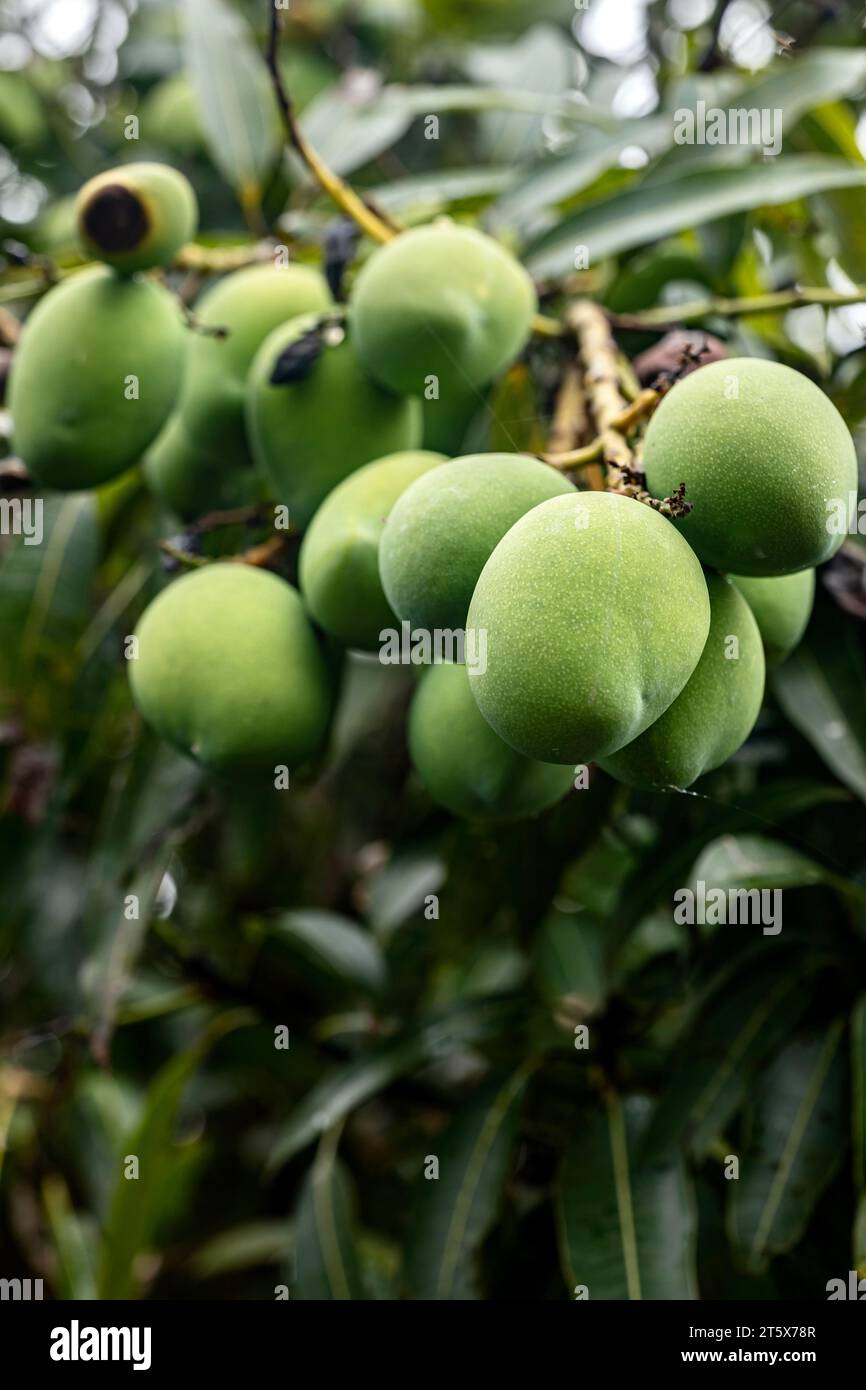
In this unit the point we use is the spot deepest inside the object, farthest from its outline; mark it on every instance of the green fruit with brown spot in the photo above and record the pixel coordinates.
(594, 612)
(94, 377)
(229, 670)
(464, 765)
(715, 712)
(314, 416)
(137, 216)
(339, 560)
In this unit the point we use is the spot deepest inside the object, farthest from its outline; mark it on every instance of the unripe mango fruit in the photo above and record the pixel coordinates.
(192, 481)
(443, 301)
(94, 377)
(136, 216)
(782, 607)
(230, 671)
(595, 612)
(443, 529)
(310, 432)
(715, 712)
(464, 765)
(763, 454)
(249, 304)
(339, 559)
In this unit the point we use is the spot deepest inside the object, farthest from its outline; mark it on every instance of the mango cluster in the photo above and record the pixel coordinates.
(594, 628)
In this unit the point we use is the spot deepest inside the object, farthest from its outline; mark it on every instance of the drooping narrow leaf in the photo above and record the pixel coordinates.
(333, 948)
(858, 1093)
(238, 110)
(433, 1037)
(644, 214)
(326, 1254)
(626, 1227)
(820, 688)
(456, 1208)
(712, 1067)
(795, 1138)
(135, 1204)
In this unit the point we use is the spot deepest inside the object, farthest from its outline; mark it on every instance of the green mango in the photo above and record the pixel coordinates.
(230, 671)
(440, 301)
(171, 117)
(94, 377)
(714, 713)
(310, 432)
(339, 559)
(442, 531)
(782, 607)
(192, 481)
(136, 216)
(249, 304)
(449, 418)
(594, 612)
(766, 459)
(464, 765)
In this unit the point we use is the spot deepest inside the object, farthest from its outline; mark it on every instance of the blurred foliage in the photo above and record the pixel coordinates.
(319, 995)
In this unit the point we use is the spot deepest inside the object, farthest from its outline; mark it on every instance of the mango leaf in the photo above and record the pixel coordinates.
(858, 1093)
(326, 1253)
(248, 1246)
(430, 1039)
(712, 1067)
(437, 190)
(832, 129)
(337, 950)
(402, 886)
(858, 1243)
(74, 1241)
(649, 212)
(228, 74)
(135, 1206)
(794, 1141)
(754, 861)
(820, 688)
(626, 1227)
(457, 1207)
(570, 964)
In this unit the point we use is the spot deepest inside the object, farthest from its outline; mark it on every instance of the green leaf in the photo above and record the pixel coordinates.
(456, 1209)
(248, 1246)
(626, 1227)
(569, 964)
(237, 105)
(402, 886)
(327, 1265)
(429, 1039)
(858, 1093)
(795, 1138)
(644, 214)
(135, 1206)
(833, 130)
(753, 861)
(339, 951)
(713, 1065)
(74, 1242)
(820, 688)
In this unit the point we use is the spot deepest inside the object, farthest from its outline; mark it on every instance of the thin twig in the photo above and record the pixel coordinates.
(667, 316)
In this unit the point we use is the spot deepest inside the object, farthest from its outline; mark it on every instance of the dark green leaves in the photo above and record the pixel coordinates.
(627, 1227)
(460, 1194)
(326, 1258)
(795, 1140)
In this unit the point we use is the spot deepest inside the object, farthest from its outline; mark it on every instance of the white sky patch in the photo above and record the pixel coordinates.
(860, 134)
(690, 14)
(747, 34)
(846, 328)
(633, 157)
(637, 94)
(61, 27)
(613, 29)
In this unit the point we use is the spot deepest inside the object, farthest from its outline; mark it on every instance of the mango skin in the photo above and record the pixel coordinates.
(73, 425)
(715, 712)
(339, 559)
(443, 529)
(250, 303)
(464, 765)
(192, 481)
(782, 607)
(160, 203)
(230, 671)
(595, 612)
(308, 435)
(444, 301)
(760, 468)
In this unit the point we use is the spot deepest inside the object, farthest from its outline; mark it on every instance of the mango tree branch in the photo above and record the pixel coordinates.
(667, 316)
